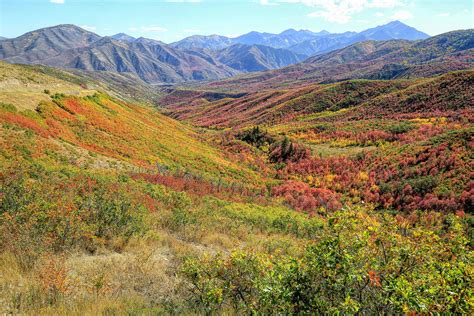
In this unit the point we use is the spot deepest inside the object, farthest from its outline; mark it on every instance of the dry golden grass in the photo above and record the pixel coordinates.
(25, 87)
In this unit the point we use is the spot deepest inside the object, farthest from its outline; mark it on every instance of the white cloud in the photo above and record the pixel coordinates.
(151, 28)
(88, 27)
(57, 1)
(385, 3)
(379, 14)
(338, 11)
(331, 16)
(402, 15)
(444, 14)
(341, 11)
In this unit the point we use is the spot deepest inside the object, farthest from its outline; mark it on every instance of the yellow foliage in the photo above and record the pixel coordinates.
(329, 178)
(363, 176)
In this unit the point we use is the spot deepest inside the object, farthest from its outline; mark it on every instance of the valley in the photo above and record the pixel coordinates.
(293, 173)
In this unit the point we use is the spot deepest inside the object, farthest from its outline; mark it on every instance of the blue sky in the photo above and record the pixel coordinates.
(171, 20)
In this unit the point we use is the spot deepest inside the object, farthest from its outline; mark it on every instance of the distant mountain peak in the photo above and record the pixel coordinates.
(303, 41)
(145, 40)
(393, 30)
(289, 31)
(46, 42)
(396, 22)
(63, 27)
(123, 37)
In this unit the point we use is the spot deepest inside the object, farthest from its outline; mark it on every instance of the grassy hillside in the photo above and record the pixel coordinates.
(109, 207)
(355, 98)
(278, 106)
(26, 87)
(133, 135)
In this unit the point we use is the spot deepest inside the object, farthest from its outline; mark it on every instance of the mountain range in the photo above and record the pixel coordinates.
(69, 46)
(195, 58)
(392, 59)
(304, 41)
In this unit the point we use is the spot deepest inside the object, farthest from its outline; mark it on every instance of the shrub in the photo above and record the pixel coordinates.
(288, 151)
(39, 213)
(359, 264)
(255, 137)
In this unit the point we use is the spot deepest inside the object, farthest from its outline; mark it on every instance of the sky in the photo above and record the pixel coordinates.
(172, 20)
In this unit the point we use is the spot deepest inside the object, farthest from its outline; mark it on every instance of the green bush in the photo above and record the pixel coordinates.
(354, 267)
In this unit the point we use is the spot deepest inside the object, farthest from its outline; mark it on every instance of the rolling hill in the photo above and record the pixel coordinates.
(63, 116)
(359, 99)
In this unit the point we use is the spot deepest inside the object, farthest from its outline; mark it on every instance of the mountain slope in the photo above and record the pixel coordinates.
(203, 42)
(283, 40)
(94, 123)
(324, 44)
(393, 30)
(123, 37)
(250, 58)
(43, 43)
(195, 58)
(68, 46)
(152, 61)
